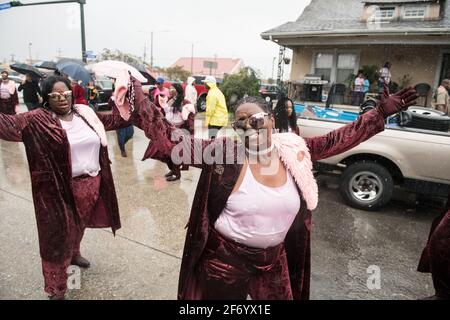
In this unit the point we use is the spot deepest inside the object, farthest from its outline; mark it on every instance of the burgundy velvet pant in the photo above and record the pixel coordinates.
(436, 255)
(229, 270)
(86, 192)
(7, 106)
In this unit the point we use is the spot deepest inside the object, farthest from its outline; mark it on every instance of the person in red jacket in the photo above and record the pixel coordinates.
(79, 95)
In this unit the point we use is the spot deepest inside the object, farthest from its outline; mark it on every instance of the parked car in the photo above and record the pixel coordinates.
(104, 87)
(413, 158)
(268, 91)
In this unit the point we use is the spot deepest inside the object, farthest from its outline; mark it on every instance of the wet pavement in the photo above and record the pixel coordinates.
(143, 260)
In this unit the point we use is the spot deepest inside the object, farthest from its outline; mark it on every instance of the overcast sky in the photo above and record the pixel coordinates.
(228, 29)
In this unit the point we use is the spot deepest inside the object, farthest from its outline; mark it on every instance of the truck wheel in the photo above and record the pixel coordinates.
(366, 185)
(201, 104)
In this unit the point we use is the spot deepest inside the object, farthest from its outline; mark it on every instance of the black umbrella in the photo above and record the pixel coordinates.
(49, 65)
(26, 69)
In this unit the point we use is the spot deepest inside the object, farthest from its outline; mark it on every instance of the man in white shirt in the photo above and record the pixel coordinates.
(442, 97)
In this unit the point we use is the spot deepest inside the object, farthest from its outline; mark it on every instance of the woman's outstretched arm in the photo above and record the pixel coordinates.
(11, 127)
(367, 125)
(180, 148)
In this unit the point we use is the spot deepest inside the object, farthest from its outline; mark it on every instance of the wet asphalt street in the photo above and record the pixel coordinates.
(143, 260)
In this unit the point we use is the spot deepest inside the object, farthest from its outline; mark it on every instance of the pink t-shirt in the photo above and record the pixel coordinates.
(259, 216)
(84, 147)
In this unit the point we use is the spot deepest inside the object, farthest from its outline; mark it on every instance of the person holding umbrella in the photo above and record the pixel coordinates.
(71, 178)
(31, 92)
(9, 100)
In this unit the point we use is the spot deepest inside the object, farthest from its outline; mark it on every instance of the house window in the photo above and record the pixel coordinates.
(346, 63)
(323, 65)
(385, 13)
(415, 12)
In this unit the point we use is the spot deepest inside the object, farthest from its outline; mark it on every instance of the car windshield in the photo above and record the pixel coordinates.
(268, 87)
(105, 84)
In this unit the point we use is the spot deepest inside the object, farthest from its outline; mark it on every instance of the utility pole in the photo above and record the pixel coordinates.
(145, 53)
(273, 68)
(83, 33)
(152, 32)
(192, 58)
(151, 51)
(29, 52)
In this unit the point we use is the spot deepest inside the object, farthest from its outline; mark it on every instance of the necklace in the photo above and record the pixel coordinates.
(260, 152)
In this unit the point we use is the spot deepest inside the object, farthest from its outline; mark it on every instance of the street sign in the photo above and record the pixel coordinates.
(4, 6)
(210, 64)
(90, 55)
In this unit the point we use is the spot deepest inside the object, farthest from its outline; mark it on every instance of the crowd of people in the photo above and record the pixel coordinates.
(361, 86)
(249, 232)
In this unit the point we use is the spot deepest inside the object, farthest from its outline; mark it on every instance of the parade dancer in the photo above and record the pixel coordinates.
(244, 235)
(71, 178)
(181, 113)
(436, 255)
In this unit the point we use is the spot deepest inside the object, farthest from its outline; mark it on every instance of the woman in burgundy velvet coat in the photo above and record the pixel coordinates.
(436, 255)
(239, 241)
(180, 113)
(60, 139)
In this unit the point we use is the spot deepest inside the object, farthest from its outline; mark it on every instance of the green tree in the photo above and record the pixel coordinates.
(118, 55)
(236, 86)
(177, 73)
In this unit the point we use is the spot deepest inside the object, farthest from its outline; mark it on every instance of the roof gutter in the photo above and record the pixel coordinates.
(387, 32)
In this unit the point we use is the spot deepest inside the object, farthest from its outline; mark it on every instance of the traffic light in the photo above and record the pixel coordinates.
(16, 3)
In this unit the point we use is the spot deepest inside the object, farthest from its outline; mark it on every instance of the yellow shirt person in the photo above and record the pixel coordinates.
(216, 106)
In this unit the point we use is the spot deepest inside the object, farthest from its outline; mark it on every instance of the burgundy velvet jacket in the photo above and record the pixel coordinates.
(424, 262)
(152, 151)
(49, 160)
(218, 180)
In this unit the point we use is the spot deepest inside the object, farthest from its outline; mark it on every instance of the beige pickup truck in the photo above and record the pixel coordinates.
(416, 159)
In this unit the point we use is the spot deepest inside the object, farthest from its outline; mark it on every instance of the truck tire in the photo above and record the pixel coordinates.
(201, 104)
(366, 185)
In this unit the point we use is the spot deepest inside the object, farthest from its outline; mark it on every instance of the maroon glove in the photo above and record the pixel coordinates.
(403, 99)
